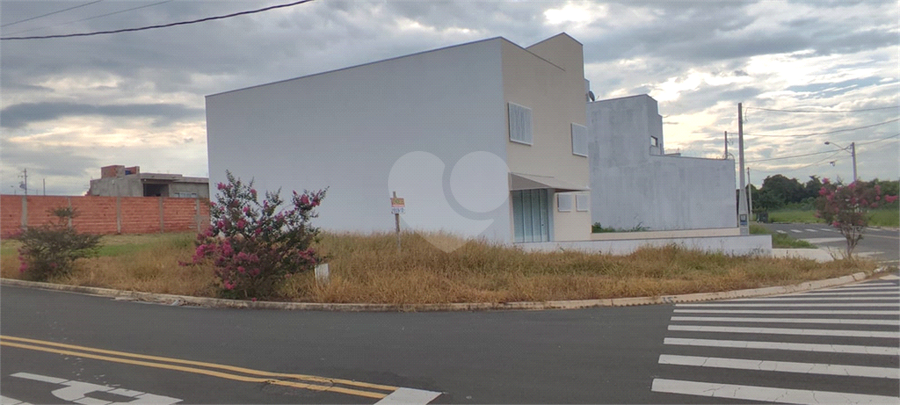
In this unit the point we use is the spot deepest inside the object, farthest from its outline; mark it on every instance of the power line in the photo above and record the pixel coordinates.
(825, 133)
(822, 153)
(789, 157)
(818, 162)
(823, 111)
(878, 140)
(87, 34)
(92, 18)
(55, 12)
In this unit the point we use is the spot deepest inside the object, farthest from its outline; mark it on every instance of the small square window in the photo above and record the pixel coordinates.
(564, 202)
(582, 202)
(579, 140)
(654, 141)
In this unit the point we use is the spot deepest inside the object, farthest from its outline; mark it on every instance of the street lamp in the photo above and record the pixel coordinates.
(852, 154)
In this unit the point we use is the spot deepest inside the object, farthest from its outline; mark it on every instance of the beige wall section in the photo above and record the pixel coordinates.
(548, 78)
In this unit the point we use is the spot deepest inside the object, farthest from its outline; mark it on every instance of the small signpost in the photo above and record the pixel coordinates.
(398, 206)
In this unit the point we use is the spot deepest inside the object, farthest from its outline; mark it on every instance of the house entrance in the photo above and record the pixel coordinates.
(531, 215)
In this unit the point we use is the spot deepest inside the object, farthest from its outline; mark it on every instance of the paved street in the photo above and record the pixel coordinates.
(877, 243)
(72, 348)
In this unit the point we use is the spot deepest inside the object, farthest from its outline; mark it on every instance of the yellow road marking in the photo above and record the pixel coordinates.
(212, 373)
(209, 365)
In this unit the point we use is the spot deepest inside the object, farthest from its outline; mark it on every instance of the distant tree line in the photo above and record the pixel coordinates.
(778, 192)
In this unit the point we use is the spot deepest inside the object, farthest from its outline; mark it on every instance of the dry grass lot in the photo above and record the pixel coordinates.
(367, 268)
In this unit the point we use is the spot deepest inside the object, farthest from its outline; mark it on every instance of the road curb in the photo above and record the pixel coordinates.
(179, 300)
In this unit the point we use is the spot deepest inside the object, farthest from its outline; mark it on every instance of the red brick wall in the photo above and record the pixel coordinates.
(106, 215)
(96, 215)
(10, 214)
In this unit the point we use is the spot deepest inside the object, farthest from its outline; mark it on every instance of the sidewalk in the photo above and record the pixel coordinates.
(819, 255)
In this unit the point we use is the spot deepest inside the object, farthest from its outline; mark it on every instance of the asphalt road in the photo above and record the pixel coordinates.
(71, 348)
(881, 244)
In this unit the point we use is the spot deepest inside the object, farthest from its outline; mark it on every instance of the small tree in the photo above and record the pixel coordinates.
(847, 208)
(255, 246)
(51, 250)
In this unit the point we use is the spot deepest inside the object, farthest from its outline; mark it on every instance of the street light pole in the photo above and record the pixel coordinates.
(743, 216)
(852, 151)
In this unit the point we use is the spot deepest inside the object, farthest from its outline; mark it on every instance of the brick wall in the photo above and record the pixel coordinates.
(106, 215)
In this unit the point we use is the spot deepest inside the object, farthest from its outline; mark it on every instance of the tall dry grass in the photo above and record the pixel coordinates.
(368, 268)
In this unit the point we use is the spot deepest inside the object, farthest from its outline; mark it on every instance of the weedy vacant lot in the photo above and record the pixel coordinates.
(368, 268)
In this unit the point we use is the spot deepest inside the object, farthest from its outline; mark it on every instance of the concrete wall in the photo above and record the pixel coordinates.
(632, 186)
(548, 78)
(754, 245)
(201, 189)
(127, 186)
(133, 186)
(396, 125)
(106, 215)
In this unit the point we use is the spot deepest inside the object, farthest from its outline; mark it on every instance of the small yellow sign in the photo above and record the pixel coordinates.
(397, 203)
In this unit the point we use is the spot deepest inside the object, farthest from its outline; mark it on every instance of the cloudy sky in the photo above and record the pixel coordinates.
(72, 105)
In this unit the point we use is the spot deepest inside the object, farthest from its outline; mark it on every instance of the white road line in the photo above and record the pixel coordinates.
(890, 277)
(857, 294)
(786, 311)
(811, 230)
(860, 290)
(38, 377)
(796, 231)
(796, 347)
(409, 396)
(894, 322)
(795, 304)
(765, 394)
(786, 331)
(797, 297)
(868, 284)
(11, 401)
(781, 366)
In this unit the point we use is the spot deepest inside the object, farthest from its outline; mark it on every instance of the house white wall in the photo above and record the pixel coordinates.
(634, 184)
(417, 115)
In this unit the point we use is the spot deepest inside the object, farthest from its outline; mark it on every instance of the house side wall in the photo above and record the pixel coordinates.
(548, 78)
(125, 186)
(632, 188)
(346, 130)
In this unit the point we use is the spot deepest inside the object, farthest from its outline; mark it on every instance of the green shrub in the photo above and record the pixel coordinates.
(49, 251)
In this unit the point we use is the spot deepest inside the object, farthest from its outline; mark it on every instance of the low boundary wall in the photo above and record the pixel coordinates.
(106, 215)
(756, 245)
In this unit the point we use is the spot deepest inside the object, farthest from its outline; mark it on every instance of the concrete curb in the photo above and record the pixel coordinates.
(179, 300)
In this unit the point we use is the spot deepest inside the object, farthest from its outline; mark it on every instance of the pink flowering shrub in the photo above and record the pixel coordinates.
(847, 207)
(51, 250)
(255, 246)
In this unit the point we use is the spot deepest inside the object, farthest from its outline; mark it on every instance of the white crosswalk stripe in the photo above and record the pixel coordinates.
(767, 349)
(789, 320)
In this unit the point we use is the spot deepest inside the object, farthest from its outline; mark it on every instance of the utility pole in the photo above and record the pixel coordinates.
(853, 155)
(44, 180)
(749, 192)
(24, 185)
(743, 223)
(726, 145)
